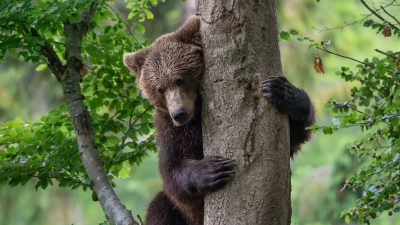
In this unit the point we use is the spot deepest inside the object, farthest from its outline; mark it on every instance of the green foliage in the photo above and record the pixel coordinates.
(293, 34)
(379, 26)
(47, 150)
(374, 107)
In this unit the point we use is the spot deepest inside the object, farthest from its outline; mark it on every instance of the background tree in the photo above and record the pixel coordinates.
(69, 38)
(240, 50)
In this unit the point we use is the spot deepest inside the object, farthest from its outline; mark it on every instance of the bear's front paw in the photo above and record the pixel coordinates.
(215, 172)
(284, 96)
(279, 91)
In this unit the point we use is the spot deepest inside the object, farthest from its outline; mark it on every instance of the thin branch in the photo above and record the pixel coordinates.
(343, 56)
(363, 122)
(77, 180)
(395, 19)
(357, 110)
(121, 19)
(125, 157)
(130, 128)
(53, 61)
(387, 54)
(364, 113)
(354, 22)
(377, 15)
(128, 132)
(342, 26)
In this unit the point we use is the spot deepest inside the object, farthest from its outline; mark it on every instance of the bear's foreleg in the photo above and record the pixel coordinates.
(295, 103)
(196, 177)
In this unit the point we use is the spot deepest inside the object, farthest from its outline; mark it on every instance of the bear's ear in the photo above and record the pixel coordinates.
(189, 32)
(135, 60)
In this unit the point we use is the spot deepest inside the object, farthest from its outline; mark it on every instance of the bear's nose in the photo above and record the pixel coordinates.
(179, 115)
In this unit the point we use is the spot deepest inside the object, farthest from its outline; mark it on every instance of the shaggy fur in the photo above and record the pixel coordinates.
(173, 65)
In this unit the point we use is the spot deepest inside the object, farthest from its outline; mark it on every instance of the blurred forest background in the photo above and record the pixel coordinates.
(319, 172)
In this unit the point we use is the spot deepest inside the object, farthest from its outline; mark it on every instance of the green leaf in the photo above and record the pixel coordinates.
(41, 67)
(284, 35)
(149, 14)
(125, 170)
(140, 28)
(368, 23)
(293, 32)
(327, 130)
(347, 219)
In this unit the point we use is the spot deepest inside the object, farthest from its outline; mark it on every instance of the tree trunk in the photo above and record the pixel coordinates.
(240, 50)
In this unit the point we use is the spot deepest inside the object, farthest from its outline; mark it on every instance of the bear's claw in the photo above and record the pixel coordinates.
(215, 173)
(283, 95)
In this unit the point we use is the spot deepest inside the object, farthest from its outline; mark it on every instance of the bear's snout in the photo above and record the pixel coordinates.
(180, 115)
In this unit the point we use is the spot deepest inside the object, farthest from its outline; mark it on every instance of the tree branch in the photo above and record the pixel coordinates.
(353, 22)
(377, 15)
(395, 19)
(387, 54)
(130, 129)
(117, 16)
(343, 56)
(53, 61)
(76, 180)
(125, 156)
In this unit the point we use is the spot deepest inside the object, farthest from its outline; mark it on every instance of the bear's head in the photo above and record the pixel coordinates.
(169, 71)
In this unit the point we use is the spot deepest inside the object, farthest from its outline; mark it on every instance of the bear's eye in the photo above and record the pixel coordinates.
(160, 91)
(179, 81)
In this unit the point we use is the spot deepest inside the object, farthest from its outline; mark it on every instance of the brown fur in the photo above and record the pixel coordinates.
(169, 72)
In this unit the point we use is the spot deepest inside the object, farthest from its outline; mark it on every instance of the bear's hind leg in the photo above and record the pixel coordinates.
(162, 211)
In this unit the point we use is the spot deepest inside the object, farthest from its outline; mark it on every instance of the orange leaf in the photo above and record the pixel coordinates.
(387, 31)
(318, 65)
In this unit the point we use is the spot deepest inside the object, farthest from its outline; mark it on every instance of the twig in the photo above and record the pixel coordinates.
(119, 18)
(350, 106)
(77, 180)
(354, 22)
(343, 56)
(377, 15)
(126, 135)
(126, 156)
(130, 129)
(387, 54)
(363, 122)
(395, 19)
(364, 113)
(343, 26)
(359, 111)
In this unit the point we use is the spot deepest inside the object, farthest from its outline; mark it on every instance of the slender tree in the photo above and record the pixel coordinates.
(69, 77)
(90, 140)
(240, 50)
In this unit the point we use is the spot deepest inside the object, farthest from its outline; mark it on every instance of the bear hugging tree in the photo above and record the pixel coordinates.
(169, 73)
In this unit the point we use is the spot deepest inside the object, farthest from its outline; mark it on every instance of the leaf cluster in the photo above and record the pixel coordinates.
(374, 107)
(46, 150)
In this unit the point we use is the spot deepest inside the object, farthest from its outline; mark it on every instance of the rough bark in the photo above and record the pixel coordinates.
(240, 50)
(69, 75)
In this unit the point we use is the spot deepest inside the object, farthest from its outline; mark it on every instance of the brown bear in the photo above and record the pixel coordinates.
(169, 73)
